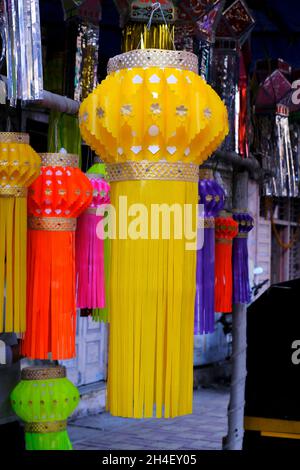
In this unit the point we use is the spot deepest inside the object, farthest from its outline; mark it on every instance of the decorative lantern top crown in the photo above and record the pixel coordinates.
(153, 106)
(61, 190)
(19, 164)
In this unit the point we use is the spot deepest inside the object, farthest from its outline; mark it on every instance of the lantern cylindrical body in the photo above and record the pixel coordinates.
(226, 230)
(102, 314)
(55, 200)
(90, 265)
(153, 120)
(44, 399)
(212, 197)
(241, 285)
(19, 166)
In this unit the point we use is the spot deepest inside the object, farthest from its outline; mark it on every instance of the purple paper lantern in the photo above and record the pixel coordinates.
(241, 286)
(212, 196)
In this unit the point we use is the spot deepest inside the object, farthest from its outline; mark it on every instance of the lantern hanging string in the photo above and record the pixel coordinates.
(157, 6)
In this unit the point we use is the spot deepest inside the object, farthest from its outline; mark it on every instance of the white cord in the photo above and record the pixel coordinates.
(157, 6)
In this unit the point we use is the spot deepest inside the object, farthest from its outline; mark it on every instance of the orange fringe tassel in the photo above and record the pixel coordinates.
(51, 288)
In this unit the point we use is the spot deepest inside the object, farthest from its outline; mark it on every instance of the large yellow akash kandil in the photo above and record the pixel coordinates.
(154, 121)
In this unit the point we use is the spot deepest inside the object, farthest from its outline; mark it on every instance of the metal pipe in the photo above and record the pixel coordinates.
(54, 101)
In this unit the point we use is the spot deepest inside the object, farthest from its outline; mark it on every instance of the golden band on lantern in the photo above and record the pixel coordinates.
(209, 222)
(140, 58)
(60, 159)
(153, 120)
(14, 138)
(206, 174)
(43, 373)
(13, 192)
(44, 428)
(52, 224)
(147, 170)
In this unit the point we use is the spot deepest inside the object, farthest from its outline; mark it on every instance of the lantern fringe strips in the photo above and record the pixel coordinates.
(151, 347)
(19, 166)
(241, 285)
(51, 285)
(90, 268)
(90, 265)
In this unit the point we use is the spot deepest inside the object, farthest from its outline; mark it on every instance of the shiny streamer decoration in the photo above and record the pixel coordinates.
(295, 142)
(159, 36)
(153, 120)
(43, 400)
(86, 62)
(241, 285)
(226, 230)
(273, 143)
(58, 196)
(90, 264)
(19, 166)
(224, 78)
(212, 196)
(24, 50)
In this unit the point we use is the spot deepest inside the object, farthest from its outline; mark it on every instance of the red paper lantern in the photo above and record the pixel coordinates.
(226, 229)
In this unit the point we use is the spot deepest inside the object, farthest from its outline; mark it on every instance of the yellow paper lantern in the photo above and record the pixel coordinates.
(19, 167)
(154, 121)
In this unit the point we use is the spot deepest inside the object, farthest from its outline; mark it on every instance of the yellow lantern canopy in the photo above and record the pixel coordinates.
(154, 121)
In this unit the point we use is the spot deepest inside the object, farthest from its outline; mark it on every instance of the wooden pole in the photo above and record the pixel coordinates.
(234, 439)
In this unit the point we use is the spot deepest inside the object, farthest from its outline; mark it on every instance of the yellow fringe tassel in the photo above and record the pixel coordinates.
(152, 310)
(13, 233)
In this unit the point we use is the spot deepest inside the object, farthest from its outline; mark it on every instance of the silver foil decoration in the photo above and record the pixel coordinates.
(295, 141)
(86, 62)
(225, 74)
(273, 143)
(24, 50)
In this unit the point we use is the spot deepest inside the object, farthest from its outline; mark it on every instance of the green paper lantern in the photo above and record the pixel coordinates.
(44, 399)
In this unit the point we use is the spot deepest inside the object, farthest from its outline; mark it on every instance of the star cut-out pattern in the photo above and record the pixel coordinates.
(100, 112)
(83, 117)
(126, 109)
(155, 108)
(181, 110)
(207, 113)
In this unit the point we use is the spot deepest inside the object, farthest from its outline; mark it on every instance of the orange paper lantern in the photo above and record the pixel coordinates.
(55, 200)
(226, 229)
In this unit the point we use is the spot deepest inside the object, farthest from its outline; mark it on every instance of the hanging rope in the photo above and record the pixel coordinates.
(296, 237)
(157, 6)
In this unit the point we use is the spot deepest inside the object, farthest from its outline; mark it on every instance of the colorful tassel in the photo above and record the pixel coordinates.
(241, 286)
(226, 230)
